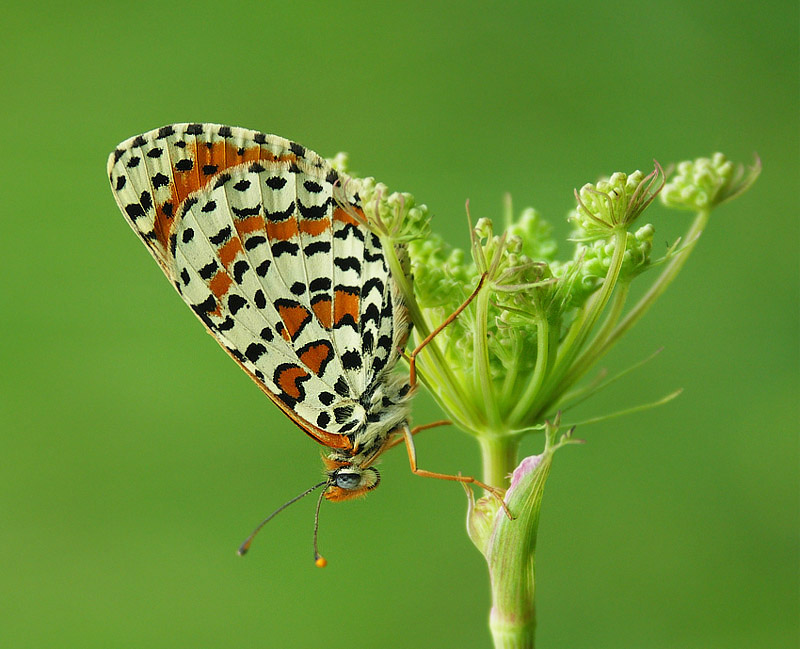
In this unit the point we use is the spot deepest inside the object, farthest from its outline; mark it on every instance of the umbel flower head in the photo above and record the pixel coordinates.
(614, 203)
(513, 359)
(705, 183)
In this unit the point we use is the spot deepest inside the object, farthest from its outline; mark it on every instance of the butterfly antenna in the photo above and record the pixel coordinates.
(244, 547)
(319, 560)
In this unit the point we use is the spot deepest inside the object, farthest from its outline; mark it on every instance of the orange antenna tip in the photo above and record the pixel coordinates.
(320, 562)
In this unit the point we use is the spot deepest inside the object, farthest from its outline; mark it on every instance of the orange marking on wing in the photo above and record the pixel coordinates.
(162, 225)
(314, 227)
(220, 283)
(223, 155)
(340, 215)
(316, 356)
(295, 317)
(204, 157)
(250, 224)
(345, 304)
(251, 154)
(228, 252)
(289, 380)
(323, 310)
(282, 230)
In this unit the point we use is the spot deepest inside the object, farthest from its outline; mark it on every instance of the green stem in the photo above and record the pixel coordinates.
(576, 337)
(480, 338)
(543, 342)
(499, 458)
(596, 348)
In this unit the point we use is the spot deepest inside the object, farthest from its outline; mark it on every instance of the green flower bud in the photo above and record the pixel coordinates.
(705, 183)
(614, 203)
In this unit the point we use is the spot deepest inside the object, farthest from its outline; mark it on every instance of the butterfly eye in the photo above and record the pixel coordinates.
(348, 480)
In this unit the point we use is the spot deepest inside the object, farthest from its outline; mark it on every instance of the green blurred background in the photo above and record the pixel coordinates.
(135, 456)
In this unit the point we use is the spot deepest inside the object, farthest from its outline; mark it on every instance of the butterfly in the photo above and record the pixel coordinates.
(269, 246)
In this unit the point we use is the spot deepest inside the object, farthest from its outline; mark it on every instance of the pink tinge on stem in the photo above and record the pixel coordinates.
(525, 467)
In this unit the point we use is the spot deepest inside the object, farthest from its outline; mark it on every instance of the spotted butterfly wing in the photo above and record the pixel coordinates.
(264, 242)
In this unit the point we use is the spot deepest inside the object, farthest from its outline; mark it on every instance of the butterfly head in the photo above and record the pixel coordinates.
(347, 480)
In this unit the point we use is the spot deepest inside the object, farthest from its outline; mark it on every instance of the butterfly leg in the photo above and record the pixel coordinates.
(412, 357)
(412, 459)
(415, 430)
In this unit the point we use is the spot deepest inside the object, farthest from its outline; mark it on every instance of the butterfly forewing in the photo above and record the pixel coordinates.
(292, 285)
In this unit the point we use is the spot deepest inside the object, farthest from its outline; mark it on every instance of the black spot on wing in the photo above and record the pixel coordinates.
(208, 271)
(347, 263)
(341, 387)
(239, 269)
(342, 413)
(320, 284)
(284, 247)
(372, 283)
(260, 299)
(316, 247)
(134, 211)
(254, 242)
(280, 215)
(351, 360)
(276, 182)
(313, 212)
(346, 230)
(235, 303)
(221, 237)
(263, 267)
(255, 351)
(244, 212)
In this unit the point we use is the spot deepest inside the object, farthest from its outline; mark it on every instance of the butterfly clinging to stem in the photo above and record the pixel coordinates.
(273, 253)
